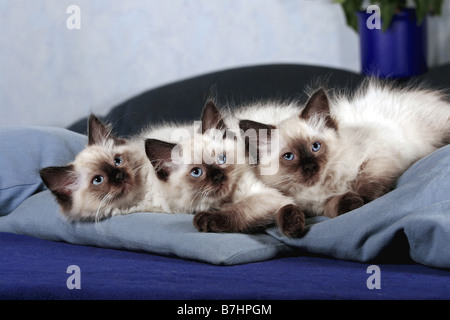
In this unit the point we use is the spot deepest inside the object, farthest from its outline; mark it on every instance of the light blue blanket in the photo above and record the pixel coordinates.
(411, 221)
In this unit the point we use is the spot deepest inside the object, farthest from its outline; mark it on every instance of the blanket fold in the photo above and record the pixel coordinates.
(414, 219)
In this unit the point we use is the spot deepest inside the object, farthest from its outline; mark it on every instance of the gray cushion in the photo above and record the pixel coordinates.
(23, 152)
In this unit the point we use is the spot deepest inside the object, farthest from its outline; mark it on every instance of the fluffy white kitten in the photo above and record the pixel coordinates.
(110, 176)
(208, 174)
(338, 153)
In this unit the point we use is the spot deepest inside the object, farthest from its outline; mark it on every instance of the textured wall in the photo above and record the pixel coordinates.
(52, 75)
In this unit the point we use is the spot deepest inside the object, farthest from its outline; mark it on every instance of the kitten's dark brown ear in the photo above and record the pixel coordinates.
(99, 133)
(159, 153)
(257, 126)
(255, 134)
(60, 181)
(211, 117)
(251, 128)
(318, 104)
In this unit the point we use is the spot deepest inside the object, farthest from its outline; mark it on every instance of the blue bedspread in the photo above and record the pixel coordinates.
(32, 268)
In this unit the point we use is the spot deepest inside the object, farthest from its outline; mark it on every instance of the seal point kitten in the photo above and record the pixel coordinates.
(340, 153)
(220, 188)
(108, 177)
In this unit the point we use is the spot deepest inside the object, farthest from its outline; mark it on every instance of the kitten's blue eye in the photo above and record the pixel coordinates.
(316, 146)
(118, 161)
(288, 156)
(196, 172)
(221, 159)
(97, 180)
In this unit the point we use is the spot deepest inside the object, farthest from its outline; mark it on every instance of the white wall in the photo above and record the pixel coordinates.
(50, 75)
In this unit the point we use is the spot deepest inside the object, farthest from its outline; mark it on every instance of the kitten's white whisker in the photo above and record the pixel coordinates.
(103, 203)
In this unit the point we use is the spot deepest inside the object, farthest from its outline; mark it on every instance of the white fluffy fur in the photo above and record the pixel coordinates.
(269, 112)
(146, 197)
(183, 198)
(382, 129)
(243, 198)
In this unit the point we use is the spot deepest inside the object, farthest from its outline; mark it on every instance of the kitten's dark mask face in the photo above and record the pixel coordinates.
(205, 179)
(304, 153)
(106, 174)
(303, 161)
(114, 177)
(212, 179)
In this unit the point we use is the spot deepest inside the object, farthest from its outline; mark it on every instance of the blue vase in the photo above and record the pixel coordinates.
(399, 52)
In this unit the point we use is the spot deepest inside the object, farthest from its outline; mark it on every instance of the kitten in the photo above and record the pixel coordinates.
(340, 153)
(206, 174)
(110, 176)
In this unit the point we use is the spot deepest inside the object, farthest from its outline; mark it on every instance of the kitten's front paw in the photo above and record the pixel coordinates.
(291, 221)
(206, 221)
(348, 202)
